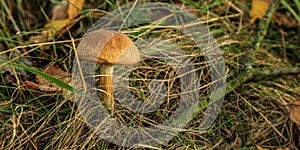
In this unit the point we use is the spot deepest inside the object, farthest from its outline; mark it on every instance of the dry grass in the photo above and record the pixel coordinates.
(257, 113)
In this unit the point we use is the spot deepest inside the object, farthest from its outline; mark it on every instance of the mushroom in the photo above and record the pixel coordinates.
(108, 47)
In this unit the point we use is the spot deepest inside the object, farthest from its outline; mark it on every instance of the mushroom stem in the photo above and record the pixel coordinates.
(105, 83)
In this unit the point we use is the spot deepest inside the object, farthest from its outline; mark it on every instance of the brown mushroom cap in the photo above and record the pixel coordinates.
(108, 47)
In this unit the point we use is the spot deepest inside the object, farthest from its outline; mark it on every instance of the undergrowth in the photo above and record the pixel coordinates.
(255, 113)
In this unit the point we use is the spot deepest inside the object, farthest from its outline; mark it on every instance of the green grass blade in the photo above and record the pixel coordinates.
(49, 78)
(297, 2)
(292, 11)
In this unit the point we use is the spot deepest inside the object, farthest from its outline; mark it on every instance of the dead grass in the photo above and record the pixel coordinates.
(257, 113)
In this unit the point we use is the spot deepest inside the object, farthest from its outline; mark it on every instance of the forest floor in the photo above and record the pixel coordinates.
(259, 43)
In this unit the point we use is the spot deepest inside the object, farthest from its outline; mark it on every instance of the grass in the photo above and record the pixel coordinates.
(256, 113)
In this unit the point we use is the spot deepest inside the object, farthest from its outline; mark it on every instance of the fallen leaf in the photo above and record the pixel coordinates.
(51, 29)
(260, 148)
(56, 72)
(31, 85)
(59, 20)
(40, 88)
(295, 112)
(258, 9)
(56, 24)
(74, 8)
(45, 86)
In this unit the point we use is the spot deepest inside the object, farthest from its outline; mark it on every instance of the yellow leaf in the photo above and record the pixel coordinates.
(74, 8)
(57, 24)
(258, 9)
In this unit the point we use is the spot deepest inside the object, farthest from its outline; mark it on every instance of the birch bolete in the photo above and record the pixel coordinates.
(108, 47)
